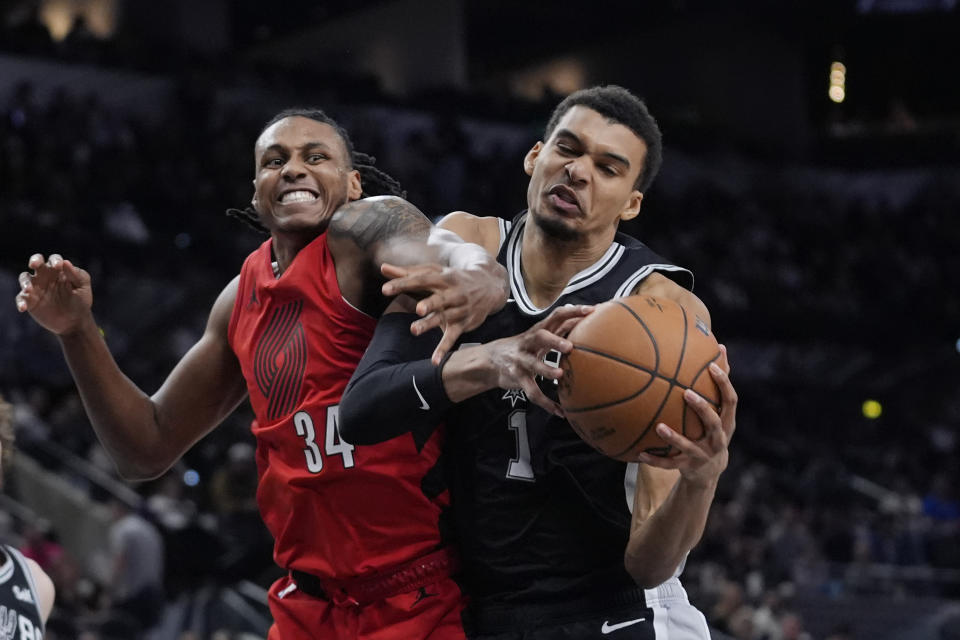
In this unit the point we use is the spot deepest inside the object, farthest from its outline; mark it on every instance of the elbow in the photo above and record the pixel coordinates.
(350, 417)
(141, 469)
(648, 575)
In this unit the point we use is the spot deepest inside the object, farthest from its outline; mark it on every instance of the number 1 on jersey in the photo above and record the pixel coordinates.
(333, 444)
(520, 467)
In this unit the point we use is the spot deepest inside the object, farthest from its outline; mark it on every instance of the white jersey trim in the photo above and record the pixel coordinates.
(349, 304)
(504, 232)
(631, 283)
(6, 571)
(582, 279)
(14, 556)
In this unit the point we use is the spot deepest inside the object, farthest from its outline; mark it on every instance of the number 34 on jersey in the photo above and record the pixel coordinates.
(333, 445)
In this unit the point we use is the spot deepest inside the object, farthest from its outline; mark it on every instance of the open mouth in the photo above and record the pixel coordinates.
(298, 195)
(563, 197)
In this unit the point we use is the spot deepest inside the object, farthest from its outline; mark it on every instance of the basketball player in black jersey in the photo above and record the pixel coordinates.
(26, 591)
(558, 541)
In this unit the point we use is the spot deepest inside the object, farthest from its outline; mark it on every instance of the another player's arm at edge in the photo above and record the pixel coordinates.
(46, 592)
(145, 435)
(669, 512)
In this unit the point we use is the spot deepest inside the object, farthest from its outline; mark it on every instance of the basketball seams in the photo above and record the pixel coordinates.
(670, 383)
(676, 374)
(653, 340)
(632, 365)
(660, 387)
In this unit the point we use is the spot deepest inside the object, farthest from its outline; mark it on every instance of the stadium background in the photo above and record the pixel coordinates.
(816, 203)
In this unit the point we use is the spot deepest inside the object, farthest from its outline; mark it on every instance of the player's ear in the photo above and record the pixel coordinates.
(633, 206)
(530, 159)
(253, 200)
(354, 185)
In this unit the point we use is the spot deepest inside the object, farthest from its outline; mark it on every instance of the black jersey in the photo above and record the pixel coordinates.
(540, 514)
(19, 603)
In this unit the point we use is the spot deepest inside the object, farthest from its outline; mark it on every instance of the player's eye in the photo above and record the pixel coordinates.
(273, 163)
(565, 148)
(610, 170)
(317, 157)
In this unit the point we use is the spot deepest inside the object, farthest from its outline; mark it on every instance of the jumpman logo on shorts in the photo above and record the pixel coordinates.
(422, 595)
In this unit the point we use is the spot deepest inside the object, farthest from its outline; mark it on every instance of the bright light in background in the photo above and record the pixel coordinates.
(191, 478)
(563, 76)
(838, 82)
(958, 345)
(99, 16)
(871, 409)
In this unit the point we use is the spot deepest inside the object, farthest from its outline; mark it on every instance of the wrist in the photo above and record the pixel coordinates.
(695, 485)
(467, 255)
(468, 372)
(83, 328)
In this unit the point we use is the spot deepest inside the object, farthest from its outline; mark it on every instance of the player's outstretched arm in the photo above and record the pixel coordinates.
(144, 435)
(460, 287)
(396, 389)
(674, 494)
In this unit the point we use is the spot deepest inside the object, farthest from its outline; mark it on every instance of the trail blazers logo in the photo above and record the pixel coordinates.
(281, 359)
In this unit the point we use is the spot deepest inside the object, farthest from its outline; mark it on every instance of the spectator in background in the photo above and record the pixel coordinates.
(40, 544)
(137, 556)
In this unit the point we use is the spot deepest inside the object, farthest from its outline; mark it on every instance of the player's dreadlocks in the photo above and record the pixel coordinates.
(373, 181)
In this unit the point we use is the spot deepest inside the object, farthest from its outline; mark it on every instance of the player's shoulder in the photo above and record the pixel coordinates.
(46, 591)
(659, 285)
(482, 230)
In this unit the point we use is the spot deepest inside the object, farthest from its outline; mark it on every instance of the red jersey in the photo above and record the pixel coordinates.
(335, 510)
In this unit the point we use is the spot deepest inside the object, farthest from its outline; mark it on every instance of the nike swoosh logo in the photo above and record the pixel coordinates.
(423, 401)
(610, 628)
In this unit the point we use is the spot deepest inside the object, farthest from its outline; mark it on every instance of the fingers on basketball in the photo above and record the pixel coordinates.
(631, 361)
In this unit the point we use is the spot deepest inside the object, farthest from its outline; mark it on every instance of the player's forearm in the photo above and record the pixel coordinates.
(658, 545)
(395, 389)
(121, 414)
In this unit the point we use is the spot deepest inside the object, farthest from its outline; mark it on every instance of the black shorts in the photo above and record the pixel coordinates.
(618, 616)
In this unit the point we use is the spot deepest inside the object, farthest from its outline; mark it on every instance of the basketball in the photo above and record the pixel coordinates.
(631, 361)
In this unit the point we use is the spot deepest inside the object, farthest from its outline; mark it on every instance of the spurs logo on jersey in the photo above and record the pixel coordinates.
(515, 396)
(17, 627)
(281, 359)
(19, 615)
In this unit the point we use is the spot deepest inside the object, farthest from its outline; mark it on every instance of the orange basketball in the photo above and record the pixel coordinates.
(632, 359)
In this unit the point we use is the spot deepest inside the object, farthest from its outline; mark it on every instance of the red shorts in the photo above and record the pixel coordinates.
(431, 612)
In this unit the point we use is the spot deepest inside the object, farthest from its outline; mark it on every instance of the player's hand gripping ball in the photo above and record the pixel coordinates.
(631, 361)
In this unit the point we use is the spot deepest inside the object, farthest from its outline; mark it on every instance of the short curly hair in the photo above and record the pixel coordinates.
(619, 105)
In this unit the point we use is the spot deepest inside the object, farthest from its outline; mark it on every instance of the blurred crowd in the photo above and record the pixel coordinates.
(829, 285)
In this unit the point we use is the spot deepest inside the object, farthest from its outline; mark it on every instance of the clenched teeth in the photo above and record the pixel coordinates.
(297, 196)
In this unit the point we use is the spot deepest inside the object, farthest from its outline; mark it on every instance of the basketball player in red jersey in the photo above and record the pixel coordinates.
(357, 527)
